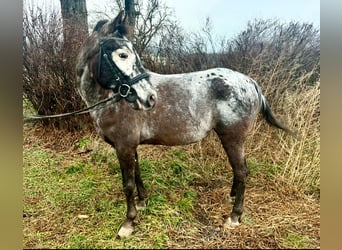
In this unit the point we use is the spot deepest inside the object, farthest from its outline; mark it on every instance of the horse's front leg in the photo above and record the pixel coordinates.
(142, 193)
(127, 164)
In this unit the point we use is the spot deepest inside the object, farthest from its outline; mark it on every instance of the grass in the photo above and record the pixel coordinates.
(59, 189)
(295, 241)
(73, 198)
(73, 193)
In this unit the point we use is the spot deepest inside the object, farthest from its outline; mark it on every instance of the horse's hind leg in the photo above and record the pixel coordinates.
(142, 193)
(234, 148)
(127, 164)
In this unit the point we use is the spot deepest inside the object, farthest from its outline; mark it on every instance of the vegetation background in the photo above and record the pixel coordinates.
(72, 183)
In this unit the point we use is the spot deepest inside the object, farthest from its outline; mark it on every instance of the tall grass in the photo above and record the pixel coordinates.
(299, 108)
(302, 166)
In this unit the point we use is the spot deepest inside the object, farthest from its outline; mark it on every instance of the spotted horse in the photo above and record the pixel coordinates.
(149, 108)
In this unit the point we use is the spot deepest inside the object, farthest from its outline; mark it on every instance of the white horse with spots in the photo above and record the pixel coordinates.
(150, 108)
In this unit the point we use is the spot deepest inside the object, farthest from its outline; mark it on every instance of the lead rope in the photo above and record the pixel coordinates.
(78, 112)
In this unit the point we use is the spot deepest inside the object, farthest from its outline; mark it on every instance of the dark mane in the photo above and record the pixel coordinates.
(99, 25)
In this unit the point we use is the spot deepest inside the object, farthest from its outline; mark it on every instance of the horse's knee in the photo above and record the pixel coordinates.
(129, 187)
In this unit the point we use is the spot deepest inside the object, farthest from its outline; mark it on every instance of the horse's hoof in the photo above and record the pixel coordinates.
(231, 224)
(126, 230)
(140, 205)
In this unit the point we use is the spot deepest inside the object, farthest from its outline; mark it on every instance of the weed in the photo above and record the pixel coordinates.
(186, 205)
(265, 167)
(159, 242)
(177, 168)
(97, 158)
(248, 220)
(79, 241)
(28, 107)
(83, 143)
(147, 166)
(296, 241)
(179, 154)
(77, 167)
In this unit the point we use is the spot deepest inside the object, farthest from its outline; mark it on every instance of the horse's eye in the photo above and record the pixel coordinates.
(123, 55)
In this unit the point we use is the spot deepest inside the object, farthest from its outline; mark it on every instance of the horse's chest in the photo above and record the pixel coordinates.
(114, 125)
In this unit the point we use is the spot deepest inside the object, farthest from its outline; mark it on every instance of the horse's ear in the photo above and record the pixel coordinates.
(128, 29)
(99, 25)
(118, 24)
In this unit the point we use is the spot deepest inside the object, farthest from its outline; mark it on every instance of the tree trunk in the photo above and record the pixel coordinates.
(75, 19)
(131, 12)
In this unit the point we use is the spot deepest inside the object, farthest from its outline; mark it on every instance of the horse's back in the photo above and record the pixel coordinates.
(226, 92)
(191, 104)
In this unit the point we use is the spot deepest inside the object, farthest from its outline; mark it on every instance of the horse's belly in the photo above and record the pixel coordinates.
(172, 133)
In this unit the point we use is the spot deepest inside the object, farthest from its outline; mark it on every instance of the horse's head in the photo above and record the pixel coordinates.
(117, 66)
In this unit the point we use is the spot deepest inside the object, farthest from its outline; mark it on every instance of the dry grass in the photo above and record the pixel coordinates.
(278, 214)
(299, 158)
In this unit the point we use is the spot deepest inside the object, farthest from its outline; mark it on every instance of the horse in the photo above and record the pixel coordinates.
(176, 109)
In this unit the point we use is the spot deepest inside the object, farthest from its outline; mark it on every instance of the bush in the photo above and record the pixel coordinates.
(49, 78)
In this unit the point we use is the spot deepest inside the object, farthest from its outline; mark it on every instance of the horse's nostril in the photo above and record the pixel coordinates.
(152, 100)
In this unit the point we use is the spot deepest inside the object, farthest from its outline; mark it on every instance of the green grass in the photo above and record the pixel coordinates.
(83, 143)
(263, 167)
(58, 190)
(73, 200)
(296, 241)
(28, 107)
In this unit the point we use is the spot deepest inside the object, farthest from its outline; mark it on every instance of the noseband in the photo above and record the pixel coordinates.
(122, 84)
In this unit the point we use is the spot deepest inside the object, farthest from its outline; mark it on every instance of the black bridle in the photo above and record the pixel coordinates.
(122, 84)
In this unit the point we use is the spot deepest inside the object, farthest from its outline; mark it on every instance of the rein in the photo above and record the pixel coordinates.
(122, 87)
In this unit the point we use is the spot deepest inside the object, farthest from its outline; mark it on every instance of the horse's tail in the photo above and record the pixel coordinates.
(268, 114)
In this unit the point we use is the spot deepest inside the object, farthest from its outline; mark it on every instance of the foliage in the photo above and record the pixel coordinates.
(49, 67)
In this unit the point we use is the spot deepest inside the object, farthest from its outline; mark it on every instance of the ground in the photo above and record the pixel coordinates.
(73, 197)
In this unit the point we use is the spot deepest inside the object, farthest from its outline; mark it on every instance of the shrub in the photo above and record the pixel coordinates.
(49, 78)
